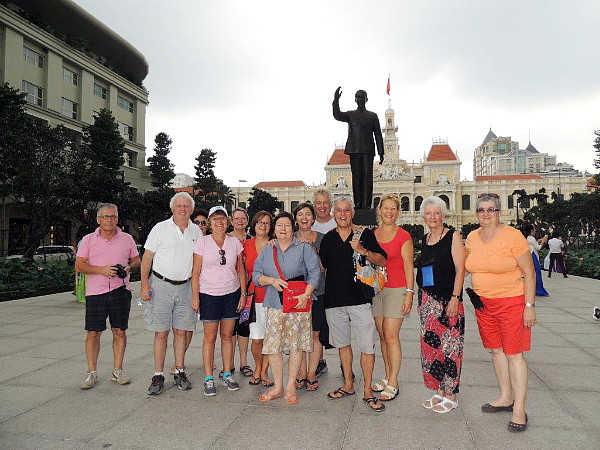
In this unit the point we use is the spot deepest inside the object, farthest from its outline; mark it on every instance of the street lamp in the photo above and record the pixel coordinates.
(238, 192)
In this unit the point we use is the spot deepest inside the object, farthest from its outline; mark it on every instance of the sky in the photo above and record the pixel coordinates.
(254, 80)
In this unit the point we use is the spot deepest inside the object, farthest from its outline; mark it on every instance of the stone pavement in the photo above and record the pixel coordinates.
(42, 362)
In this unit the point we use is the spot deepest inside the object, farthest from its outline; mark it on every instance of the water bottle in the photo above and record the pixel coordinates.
(142, 302)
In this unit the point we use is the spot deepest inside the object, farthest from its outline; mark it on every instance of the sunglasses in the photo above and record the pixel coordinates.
(222, 261)
(487, 210)
(488, 195)
(200, 222)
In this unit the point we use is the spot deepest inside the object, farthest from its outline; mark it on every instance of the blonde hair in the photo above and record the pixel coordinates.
(392, 197)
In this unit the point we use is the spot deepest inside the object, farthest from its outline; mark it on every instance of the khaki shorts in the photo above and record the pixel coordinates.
(170, 307)
(357, 318)
(388, 303)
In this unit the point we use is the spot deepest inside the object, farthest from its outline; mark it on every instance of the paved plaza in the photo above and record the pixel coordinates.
(42, 362)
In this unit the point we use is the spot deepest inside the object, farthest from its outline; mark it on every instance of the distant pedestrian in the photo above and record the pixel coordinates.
(535, 245)
(108, 294)
(557, 261)
(165, 286)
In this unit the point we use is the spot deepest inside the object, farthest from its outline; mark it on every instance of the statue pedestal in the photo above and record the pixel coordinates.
(365, 217)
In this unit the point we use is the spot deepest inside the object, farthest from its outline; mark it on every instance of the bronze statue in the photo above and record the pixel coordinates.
(362, 126)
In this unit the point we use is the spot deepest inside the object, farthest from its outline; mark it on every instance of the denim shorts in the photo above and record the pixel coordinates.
(214, 308)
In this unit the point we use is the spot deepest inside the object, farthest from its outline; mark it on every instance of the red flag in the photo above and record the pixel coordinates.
(388, 86)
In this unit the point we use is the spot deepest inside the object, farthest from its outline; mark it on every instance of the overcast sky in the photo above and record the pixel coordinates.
(254, 80)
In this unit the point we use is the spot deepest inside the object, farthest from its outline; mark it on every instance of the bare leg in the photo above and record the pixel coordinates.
(276, 361)
(293, 367)
(208, 347)
(92, 349)
(314, 357)
(160, 350)
(243, 347)
(234, 340)
(346, 360)
(256, 348)
(179, 347)
(119, 344)
(391, 336)
(188, 340)
(517, 368)
(382, 343)
(503, 377)
(303, 368)
(227, 344)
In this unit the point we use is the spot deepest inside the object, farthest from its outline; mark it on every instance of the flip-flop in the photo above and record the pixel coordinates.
(371, 401)
(291, 399)
(312, 386)
(266, 382)
(301, 383)
(247, 371)
(254, 383)
(267, 397)
(514, 427)
(342, 393)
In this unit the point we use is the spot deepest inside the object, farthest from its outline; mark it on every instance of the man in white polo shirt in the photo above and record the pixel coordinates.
(165, 286)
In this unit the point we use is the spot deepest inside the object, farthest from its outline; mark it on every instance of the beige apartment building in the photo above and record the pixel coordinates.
(71, 66)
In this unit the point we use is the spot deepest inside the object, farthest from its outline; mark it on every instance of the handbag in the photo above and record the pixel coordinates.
(371, 279)
(295, 287)
(475, 298)
(248, 313)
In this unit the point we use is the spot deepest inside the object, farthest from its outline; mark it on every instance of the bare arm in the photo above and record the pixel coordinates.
(525, 263)
(241, 270)
(408, 254)
(145, 275)
(196, 269)
(458, 257)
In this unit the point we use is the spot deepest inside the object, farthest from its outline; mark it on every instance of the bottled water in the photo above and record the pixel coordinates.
(142, 302)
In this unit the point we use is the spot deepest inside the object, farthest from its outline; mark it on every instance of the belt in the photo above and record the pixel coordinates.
(176, 283)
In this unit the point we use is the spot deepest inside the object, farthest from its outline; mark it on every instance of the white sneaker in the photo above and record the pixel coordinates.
(120, 377)
(89, 381)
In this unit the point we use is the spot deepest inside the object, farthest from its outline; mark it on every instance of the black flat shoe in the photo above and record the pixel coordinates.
(487, 408)
(517, 427)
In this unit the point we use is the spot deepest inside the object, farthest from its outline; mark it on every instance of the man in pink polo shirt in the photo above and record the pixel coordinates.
(107, 289)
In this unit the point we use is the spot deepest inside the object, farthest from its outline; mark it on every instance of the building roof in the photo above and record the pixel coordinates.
(489, 137)
(271, 184)
(521, 176)
(531, 149)
(67, 17)
(441, 152)
(338, 158)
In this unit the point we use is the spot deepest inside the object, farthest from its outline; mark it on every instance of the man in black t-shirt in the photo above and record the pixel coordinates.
(346, 308)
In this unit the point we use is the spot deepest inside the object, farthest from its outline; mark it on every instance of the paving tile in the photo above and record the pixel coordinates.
(12, 366)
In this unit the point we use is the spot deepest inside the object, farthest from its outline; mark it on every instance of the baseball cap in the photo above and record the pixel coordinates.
(214, 209)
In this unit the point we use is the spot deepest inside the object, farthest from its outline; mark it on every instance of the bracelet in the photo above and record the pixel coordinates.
(410, 290)
(529, 305)
(455, 295)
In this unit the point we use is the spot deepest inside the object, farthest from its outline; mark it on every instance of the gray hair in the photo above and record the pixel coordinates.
(433, 201)
(181, 195)
(344, 199)
(324, 192)
(107, 206)
(494, 198)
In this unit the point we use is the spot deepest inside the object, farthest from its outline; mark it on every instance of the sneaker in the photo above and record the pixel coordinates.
(597, 313)
(209, 387)
(158, 383)
(231, 384)
(89, 381)
(120, 377)
(181, 381)
(321, 367)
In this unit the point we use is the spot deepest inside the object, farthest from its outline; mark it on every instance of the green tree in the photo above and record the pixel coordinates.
(161, 168)
(145, 210)
(261, 200)
(597, 147)
(206, 181)
(224, 195)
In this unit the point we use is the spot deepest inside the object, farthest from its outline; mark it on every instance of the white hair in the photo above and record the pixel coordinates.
(182, 195)
(324, 192)
(433, 201)
(107, 206)
(344, 199)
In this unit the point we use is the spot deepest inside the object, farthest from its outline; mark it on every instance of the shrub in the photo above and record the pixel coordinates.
(21, 278)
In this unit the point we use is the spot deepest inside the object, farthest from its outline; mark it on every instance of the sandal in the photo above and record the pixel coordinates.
(266, 382)
(291, 399)
(341, 394)
(388, 394)
(444, 405)
(254, 381)
(247, 371)
(514, 427)
(371, 401)
(268, 396)
(301, 383)
(380, 385)
(430, 400)
(312, 385)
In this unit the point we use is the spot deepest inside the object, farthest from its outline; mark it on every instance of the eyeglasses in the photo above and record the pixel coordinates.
(109, 217)
(264, 224)
(222, 261)
(200, 222)
(488, 195)
(487, 210)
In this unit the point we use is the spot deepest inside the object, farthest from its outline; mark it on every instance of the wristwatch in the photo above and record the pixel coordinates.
(455, 295)
(529, 305)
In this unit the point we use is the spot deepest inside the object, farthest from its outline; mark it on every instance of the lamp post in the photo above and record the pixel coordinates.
(238, 192)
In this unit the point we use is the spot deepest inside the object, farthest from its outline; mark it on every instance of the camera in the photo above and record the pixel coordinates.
(121, 273)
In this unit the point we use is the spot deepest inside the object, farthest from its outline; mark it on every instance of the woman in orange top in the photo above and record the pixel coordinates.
(261, 228)
(502, 274)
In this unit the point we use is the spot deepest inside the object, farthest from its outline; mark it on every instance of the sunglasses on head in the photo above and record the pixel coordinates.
(488, 195)
(488, 210)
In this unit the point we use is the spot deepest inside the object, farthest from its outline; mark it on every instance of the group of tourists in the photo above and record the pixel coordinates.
(194, 268)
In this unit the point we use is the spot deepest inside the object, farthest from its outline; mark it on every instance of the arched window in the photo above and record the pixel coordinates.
(466, 202)
(446, 201)
(404, 204)
(376, 201)
(418, 201)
